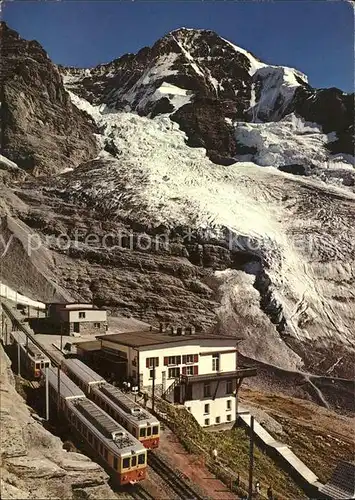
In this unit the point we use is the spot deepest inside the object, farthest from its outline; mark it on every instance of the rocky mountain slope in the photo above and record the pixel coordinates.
(33, 461)
(222, 233)
(40, 129)
(202, 80)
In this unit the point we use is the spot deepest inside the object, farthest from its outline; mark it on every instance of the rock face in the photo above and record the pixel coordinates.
(40, 128)
(33, 461)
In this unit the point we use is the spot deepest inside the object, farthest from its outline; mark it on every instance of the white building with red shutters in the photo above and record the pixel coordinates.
(197, 371)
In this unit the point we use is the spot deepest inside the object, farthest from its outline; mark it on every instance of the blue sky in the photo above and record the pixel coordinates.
(316, 37)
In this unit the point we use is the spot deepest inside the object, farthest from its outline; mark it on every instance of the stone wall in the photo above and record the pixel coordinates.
(88, 328)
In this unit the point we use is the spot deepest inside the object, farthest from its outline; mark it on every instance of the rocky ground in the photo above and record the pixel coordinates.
(34, 464)
(320, 437)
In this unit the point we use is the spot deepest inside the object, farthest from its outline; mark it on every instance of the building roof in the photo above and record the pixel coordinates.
(144, 339)
(91, 345)
(209, 377)
(342, 483)
(76, 306)
(68, 303)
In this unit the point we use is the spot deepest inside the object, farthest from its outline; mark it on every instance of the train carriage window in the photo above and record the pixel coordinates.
(134, 461)
(90, 437)
(149, 431)
(95, 443)
(115, 463)
(142, 433)
(101, 449)
(105, 454)
(126, 462)
(155, 429)
(141, 459)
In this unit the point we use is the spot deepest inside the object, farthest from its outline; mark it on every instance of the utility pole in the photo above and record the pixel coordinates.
(153, 388)
(236, 386)
(58, 399)
(47, 393)
(61, 336)
(18, 358)
(251, 457)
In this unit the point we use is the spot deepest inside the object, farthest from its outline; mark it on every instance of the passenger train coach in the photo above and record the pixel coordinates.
(31, 357)
(138, 421)
(123, 455)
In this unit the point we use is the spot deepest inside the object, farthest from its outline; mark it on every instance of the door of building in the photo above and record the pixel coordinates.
(177, 394)
(76, 327)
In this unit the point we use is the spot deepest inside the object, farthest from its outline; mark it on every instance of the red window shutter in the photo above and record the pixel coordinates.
(195, 358)
(166, 361)
(184, 370)
(184, 360)
(196, 370)
(147, 364)
(178, 360)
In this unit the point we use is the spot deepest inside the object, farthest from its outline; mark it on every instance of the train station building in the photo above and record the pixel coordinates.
(197, 371)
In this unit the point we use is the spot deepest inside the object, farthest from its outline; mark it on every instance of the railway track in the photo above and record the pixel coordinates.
(174, 479)
(138, 492)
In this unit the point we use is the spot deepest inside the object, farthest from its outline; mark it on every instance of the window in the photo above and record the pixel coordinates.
(151, 373)
(207, 421)
(190, 370)
(229, 387)
(134, 461)
(149, 362)
(82, 315)
(105, 454)
(97, 325)
(218, 420)
(172, 360)
(155, 429)
(190, 358)
(173, 372)
(215, 362)
(126, 463)
(101, 449)
(115, 463)
(142, 433)
(207, 409)
(229, 404)
(149, 431)
(229, 418)
(90, 437)
(141, 459)
(206, 390)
